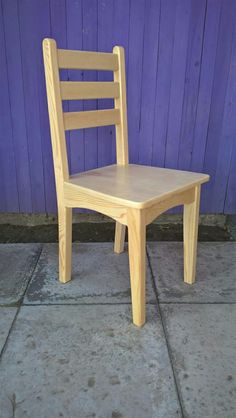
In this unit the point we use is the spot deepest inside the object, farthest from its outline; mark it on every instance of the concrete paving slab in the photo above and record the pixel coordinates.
(86, 361)
(215, 278)
(7, 315)
(203, 346)
(17, 262)
(99, 276)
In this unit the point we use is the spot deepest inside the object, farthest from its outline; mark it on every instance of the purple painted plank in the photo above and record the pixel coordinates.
(106, 134)
(226, 28)
(150, 55)
(177, 82)
(58, 15)
(230, 202)
(195, 39)
(31, 18)
(59, 26)
(8, 185)
(16, 97)
(74, 41)
(228, 135)
(121, 26)
(206, 83)
(163, 83)
(90, 26)
(136, 34)
(49, 180)
(59, 33)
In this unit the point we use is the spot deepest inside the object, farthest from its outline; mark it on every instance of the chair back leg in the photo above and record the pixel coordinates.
(191, 216)
(119, 238)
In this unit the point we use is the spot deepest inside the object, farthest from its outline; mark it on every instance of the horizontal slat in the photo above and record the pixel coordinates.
(75, 90)
(83, 60)
(91, 119)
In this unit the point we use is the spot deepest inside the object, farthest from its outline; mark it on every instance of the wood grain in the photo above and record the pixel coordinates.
(77, 90)
(191, 215)
(91, 119)
(137, 186)
(87, 60)
(137, 263)
(65, 243)
(119, 238)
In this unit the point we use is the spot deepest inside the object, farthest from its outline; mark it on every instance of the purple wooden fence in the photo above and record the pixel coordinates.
(181, 88)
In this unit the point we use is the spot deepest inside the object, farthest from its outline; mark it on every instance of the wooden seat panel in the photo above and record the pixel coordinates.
(137, 185)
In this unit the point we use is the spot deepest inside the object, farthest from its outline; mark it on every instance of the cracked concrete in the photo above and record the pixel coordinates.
(84, 358)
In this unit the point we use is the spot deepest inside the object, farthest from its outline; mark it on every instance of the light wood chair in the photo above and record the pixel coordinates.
(133, 195)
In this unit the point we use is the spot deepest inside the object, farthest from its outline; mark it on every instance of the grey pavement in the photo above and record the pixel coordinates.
(215, 277)
(70, 350)
(99, 276)
(17, 262)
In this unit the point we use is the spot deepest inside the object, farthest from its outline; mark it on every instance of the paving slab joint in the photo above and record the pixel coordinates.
(177, 386)
(20, 302)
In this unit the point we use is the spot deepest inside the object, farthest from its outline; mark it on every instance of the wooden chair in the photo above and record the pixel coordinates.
(133, 195)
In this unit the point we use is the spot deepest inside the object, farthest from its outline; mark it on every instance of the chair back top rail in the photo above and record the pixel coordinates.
(84, 60)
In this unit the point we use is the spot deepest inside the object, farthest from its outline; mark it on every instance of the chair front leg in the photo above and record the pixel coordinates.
(119, 238)
(191, 216)
(65, 243)
(137, 263)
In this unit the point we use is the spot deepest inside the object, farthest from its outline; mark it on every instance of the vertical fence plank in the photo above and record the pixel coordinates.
(49, 181)
(194, 55)
(8, 184)
(16, 98)
(150, 59)
(74, 41)
(90, 26)
(31, 17)
(121, 27)
(177, 82)
(58, 16)
(230, 200)
(106, 134)
(206, 83)
(163, 82)
(222, 65)
(228, 136)
(136, 34)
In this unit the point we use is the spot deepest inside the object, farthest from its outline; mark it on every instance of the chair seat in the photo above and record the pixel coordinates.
(134, 185)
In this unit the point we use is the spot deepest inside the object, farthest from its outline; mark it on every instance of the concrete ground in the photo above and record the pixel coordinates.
(71, 350)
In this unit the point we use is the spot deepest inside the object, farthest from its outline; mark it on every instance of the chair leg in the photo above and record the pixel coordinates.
(119, 238)
(65, 243)
(137, 262)
(191, 215)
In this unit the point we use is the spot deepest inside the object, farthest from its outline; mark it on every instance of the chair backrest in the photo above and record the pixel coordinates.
(56, 59)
